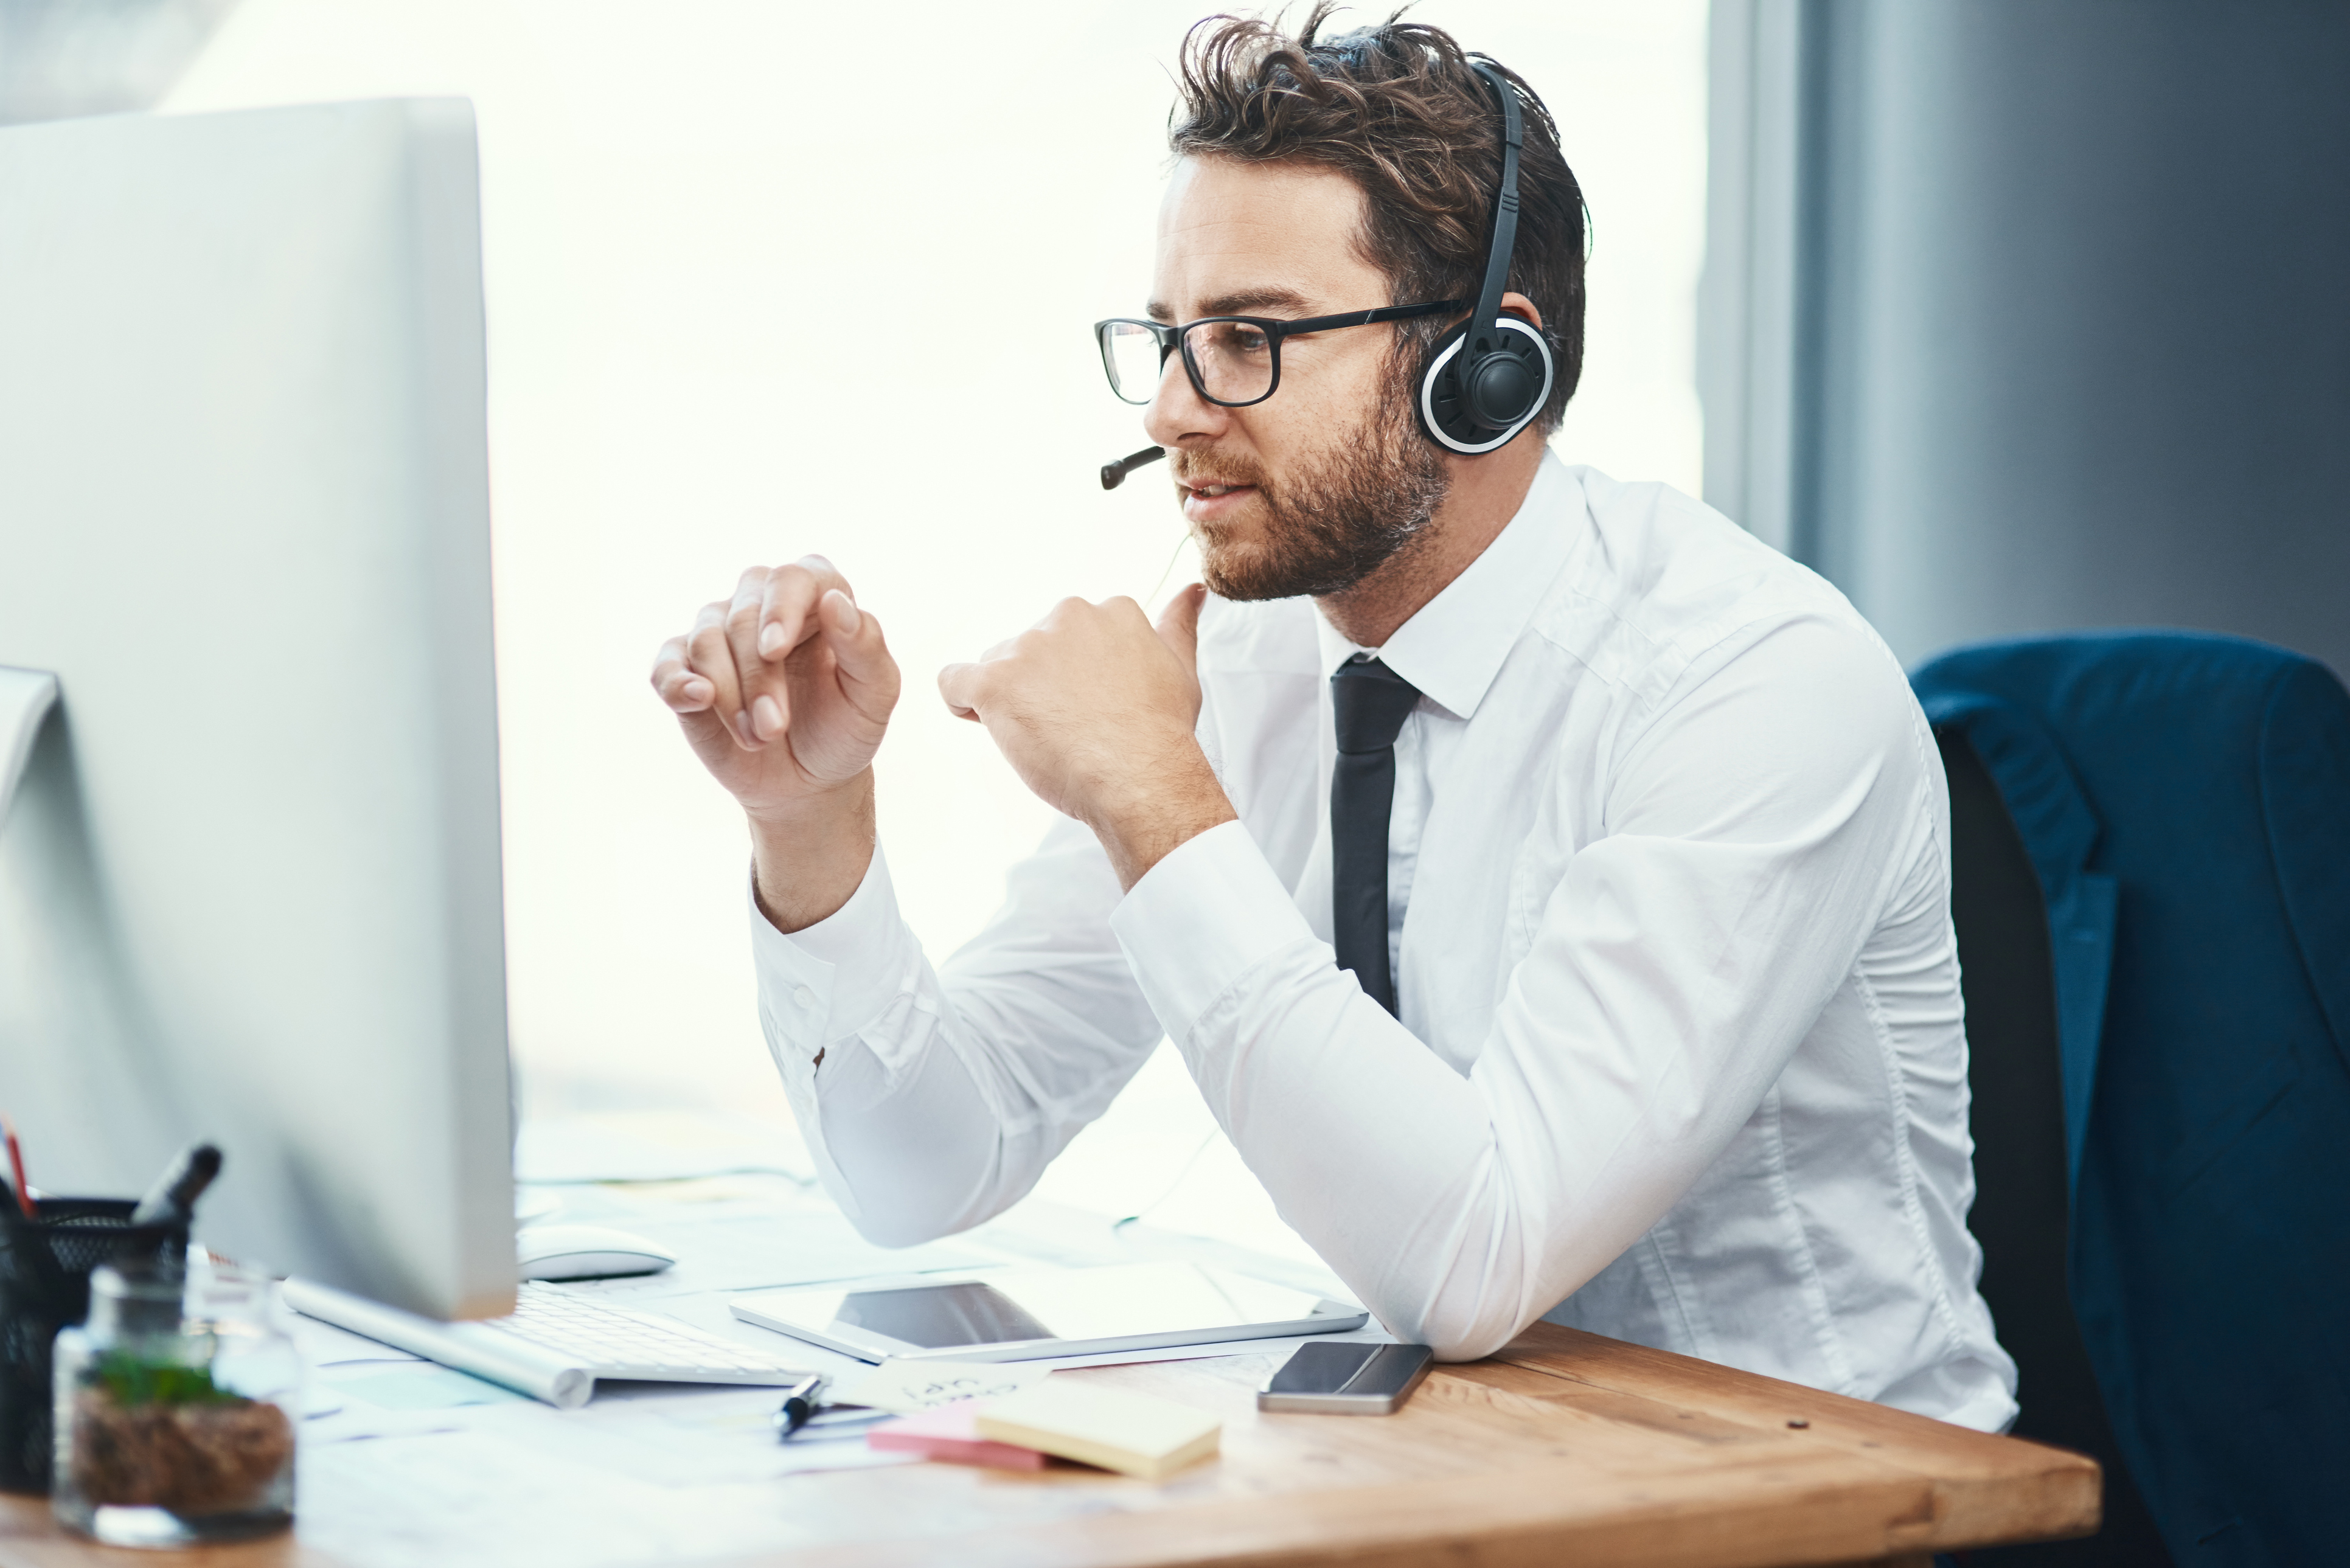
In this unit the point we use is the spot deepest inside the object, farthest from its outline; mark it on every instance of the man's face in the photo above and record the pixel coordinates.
(1311, 490)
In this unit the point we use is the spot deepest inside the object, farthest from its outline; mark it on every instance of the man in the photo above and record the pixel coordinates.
(1643, 1012)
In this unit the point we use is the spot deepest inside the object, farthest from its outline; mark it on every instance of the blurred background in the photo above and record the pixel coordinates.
(2007, 315)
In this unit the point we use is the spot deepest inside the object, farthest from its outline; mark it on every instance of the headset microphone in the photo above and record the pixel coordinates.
(1491, 374)
(1114, 474)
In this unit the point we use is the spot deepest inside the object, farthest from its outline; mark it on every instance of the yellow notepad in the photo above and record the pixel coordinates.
(1134, 1433)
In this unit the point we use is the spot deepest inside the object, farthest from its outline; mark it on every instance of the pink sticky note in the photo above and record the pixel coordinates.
(948, 1434)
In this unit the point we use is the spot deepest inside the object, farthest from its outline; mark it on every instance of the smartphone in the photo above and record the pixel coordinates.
(1346, 1379)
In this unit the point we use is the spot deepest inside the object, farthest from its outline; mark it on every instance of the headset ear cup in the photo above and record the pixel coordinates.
(1506, 386)
(1482, 408)
(1442, 414)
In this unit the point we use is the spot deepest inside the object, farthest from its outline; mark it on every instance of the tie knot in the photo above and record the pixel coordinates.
(1371, 702)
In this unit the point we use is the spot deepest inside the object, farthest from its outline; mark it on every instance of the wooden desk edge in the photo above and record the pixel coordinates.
(1975, 1474)
(1799, 1516)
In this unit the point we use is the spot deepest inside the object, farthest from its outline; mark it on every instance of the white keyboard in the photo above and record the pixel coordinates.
(613, 1342)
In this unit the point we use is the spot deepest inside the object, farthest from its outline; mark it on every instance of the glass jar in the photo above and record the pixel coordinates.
(175, 1408)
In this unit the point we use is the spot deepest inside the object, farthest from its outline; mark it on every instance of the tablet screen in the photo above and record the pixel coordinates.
(1023, 1305)
(936, 1317)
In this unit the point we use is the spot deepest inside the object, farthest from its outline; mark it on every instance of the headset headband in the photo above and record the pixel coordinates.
(1491, 374)
(1484, 336)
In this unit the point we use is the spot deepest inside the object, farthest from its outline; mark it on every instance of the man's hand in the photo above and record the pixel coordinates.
(1094, 710)
(785, 691)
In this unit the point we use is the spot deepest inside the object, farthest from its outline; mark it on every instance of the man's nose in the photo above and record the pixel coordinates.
(1178, 411)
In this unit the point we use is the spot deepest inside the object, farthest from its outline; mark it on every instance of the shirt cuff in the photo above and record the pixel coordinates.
(832, 979)
(1200, 920)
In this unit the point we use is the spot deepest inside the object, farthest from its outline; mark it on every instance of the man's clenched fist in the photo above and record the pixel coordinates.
(1096, 709)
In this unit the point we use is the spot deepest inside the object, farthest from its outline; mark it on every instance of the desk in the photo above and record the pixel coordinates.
(1565, 1447)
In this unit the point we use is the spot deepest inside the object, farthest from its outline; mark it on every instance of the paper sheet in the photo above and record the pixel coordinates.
(412, 1386)
(903, 1388)
(491, 1498)
(689, 1440)
(322, 1344)
(355, 1422)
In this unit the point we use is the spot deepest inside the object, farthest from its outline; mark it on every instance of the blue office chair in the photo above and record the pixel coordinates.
(2151, 864)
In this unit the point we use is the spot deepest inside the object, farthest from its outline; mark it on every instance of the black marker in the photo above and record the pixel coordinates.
(799, 1406)
(172, 1200)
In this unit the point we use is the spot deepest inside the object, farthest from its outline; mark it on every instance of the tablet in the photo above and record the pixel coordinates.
(1021, 1314)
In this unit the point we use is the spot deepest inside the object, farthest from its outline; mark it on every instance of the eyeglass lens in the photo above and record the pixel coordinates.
(1231, 360)
(1234, 360)
(1130, 354)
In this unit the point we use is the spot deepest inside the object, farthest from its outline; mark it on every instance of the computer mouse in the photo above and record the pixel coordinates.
(586, 1253)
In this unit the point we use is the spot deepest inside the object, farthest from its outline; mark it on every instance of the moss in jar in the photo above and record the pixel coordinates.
(151, 1435)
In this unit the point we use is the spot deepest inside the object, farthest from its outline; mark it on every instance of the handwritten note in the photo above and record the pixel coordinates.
(904, 1387)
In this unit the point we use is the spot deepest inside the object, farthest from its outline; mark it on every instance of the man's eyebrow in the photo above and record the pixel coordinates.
(1257, 301)
(1286, 302)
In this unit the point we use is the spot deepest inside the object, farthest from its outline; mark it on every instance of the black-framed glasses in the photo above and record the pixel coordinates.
(1233, 360)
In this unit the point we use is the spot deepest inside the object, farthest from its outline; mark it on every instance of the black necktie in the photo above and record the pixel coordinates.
(1371, 702)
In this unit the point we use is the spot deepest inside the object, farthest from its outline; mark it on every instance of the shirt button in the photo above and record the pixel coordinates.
(803, 997)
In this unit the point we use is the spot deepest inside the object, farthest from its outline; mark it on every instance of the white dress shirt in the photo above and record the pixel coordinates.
(1680, 1056)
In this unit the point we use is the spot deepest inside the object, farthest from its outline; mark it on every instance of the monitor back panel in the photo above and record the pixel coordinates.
(250, 884)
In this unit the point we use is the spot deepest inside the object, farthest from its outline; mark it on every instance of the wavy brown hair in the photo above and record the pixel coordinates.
(1398, 110)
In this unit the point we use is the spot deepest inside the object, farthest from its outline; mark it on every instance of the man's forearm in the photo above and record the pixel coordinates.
(1165, 806)
(808, 861)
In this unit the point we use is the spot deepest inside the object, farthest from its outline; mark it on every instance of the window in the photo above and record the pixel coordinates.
(663, 189)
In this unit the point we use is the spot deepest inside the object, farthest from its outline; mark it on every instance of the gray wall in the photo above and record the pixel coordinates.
(2072, 316)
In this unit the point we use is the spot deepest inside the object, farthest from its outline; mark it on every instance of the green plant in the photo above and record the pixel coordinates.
(134, 1381)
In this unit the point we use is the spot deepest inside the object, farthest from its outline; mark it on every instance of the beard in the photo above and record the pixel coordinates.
(1350, 508)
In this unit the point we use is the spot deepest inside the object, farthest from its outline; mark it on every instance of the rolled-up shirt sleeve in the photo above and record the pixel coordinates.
(934, 1098)
(1755, 824)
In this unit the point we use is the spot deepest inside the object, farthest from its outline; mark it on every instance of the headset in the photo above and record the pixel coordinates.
(1489, 377)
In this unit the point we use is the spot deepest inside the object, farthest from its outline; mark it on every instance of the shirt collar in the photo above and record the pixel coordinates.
(1453, 646)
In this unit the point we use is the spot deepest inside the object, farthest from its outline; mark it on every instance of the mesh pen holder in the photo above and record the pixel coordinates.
(44, 1268)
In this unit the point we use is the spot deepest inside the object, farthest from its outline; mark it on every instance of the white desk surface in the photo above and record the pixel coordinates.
(1564, 1446)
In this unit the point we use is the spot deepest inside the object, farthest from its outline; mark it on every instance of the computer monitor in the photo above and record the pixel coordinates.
(249, 881)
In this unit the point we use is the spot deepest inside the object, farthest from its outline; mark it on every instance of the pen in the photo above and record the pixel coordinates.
(798, 1405)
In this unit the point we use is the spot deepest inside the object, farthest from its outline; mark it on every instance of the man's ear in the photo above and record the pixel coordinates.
(1518, 305)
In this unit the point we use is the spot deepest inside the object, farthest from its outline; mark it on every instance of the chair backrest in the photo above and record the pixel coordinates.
(2184, 802)
(2021, 1212)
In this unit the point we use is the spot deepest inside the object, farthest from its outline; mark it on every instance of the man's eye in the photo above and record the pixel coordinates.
(1248, 340)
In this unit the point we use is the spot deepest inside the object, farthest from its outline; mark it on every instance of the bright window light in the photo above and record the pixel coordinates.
(706, 223)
